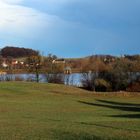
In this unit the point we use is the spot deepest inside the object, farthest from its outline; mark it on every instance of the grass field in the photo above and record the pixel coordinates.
(31, 111)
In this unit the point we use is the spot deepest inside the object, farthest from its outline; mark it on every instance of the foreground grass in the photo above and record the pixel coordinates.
(30, 111)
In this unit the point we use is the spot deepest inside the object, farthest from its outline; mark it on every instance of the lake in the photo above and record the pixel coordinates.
(72, 79)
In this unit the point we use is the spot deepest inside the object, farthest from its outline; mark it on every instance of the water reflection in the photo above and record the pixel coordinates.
(69, 79)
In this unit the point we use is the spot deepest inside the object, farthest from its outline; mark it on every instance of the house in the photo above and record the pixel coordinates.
(67, 70)
(14, 62)
(4, 64)
(21, 62)
(59, 61)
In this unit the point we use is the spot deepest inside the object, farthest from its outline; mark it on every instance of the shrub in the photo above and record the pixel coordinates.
(30, 79)
(55, 78)
(19, 78)
(8, 78)
(102, 85)
(88, 81)
(118, 80)
(134, 87)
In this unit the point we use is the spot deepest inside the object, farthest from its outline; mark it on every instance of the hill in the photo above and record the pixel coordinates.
(34, 111)
(16, 52)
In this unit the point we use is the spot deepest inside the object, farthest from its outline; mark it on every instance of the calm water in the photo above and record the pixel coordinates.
(72, 79)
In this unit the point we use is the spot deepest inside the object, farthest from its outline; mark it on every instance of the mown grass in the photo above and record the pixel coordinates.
(32, 111)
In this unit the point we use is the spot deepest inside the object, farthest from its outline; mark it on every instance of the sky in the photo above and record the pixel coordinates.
(71, 28)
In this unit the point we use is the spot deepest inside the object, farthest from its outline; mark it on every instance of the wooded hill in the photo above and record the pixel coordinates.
(16, 52)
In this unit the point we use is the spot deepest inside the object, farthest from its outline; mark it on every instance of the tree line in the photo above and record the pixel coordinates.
(112, 74)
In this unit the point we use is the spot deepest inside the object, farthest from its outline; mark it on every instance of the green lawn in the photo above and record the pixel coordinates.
(31, 111)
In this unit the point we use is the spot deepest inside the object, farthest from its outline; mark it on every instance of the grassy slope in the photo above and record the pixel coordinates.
(46, 111)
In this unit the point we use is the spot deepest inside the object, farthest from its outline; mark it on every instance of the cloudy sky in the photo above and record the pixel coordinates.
(72, 28)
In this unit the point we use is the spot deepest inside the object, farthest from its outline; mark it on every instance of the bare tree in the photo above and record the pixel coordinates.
(34, 65)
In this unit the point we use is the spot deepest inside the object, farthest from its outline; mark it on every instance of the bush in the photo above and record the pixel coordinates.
(30, 79)
(88, 81)
(55, 78)
(118, 80)
(8, 78)
(134, 87)
(19, 78)
(107, 81)
(102, 85)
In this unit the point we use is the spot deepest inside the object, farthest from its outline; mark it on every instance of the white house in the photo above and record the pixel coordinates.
(4, 65)
(59, 61)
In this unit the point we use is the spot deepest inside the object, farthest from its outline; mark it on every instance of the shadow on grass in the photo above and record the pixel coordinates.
(123, 108)
(119, 106)
(118, 103)
(133, 116)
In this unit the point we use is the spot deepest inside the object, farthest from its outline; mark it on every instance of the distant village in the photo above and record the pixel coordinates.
(67, 64)
(7, 64)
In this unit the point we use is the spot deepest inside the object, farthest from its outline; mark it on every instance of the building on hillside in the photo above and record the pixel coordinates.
(67, 70)
(14, 62)
(21, 62)
(4, 64)
(59, 61)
